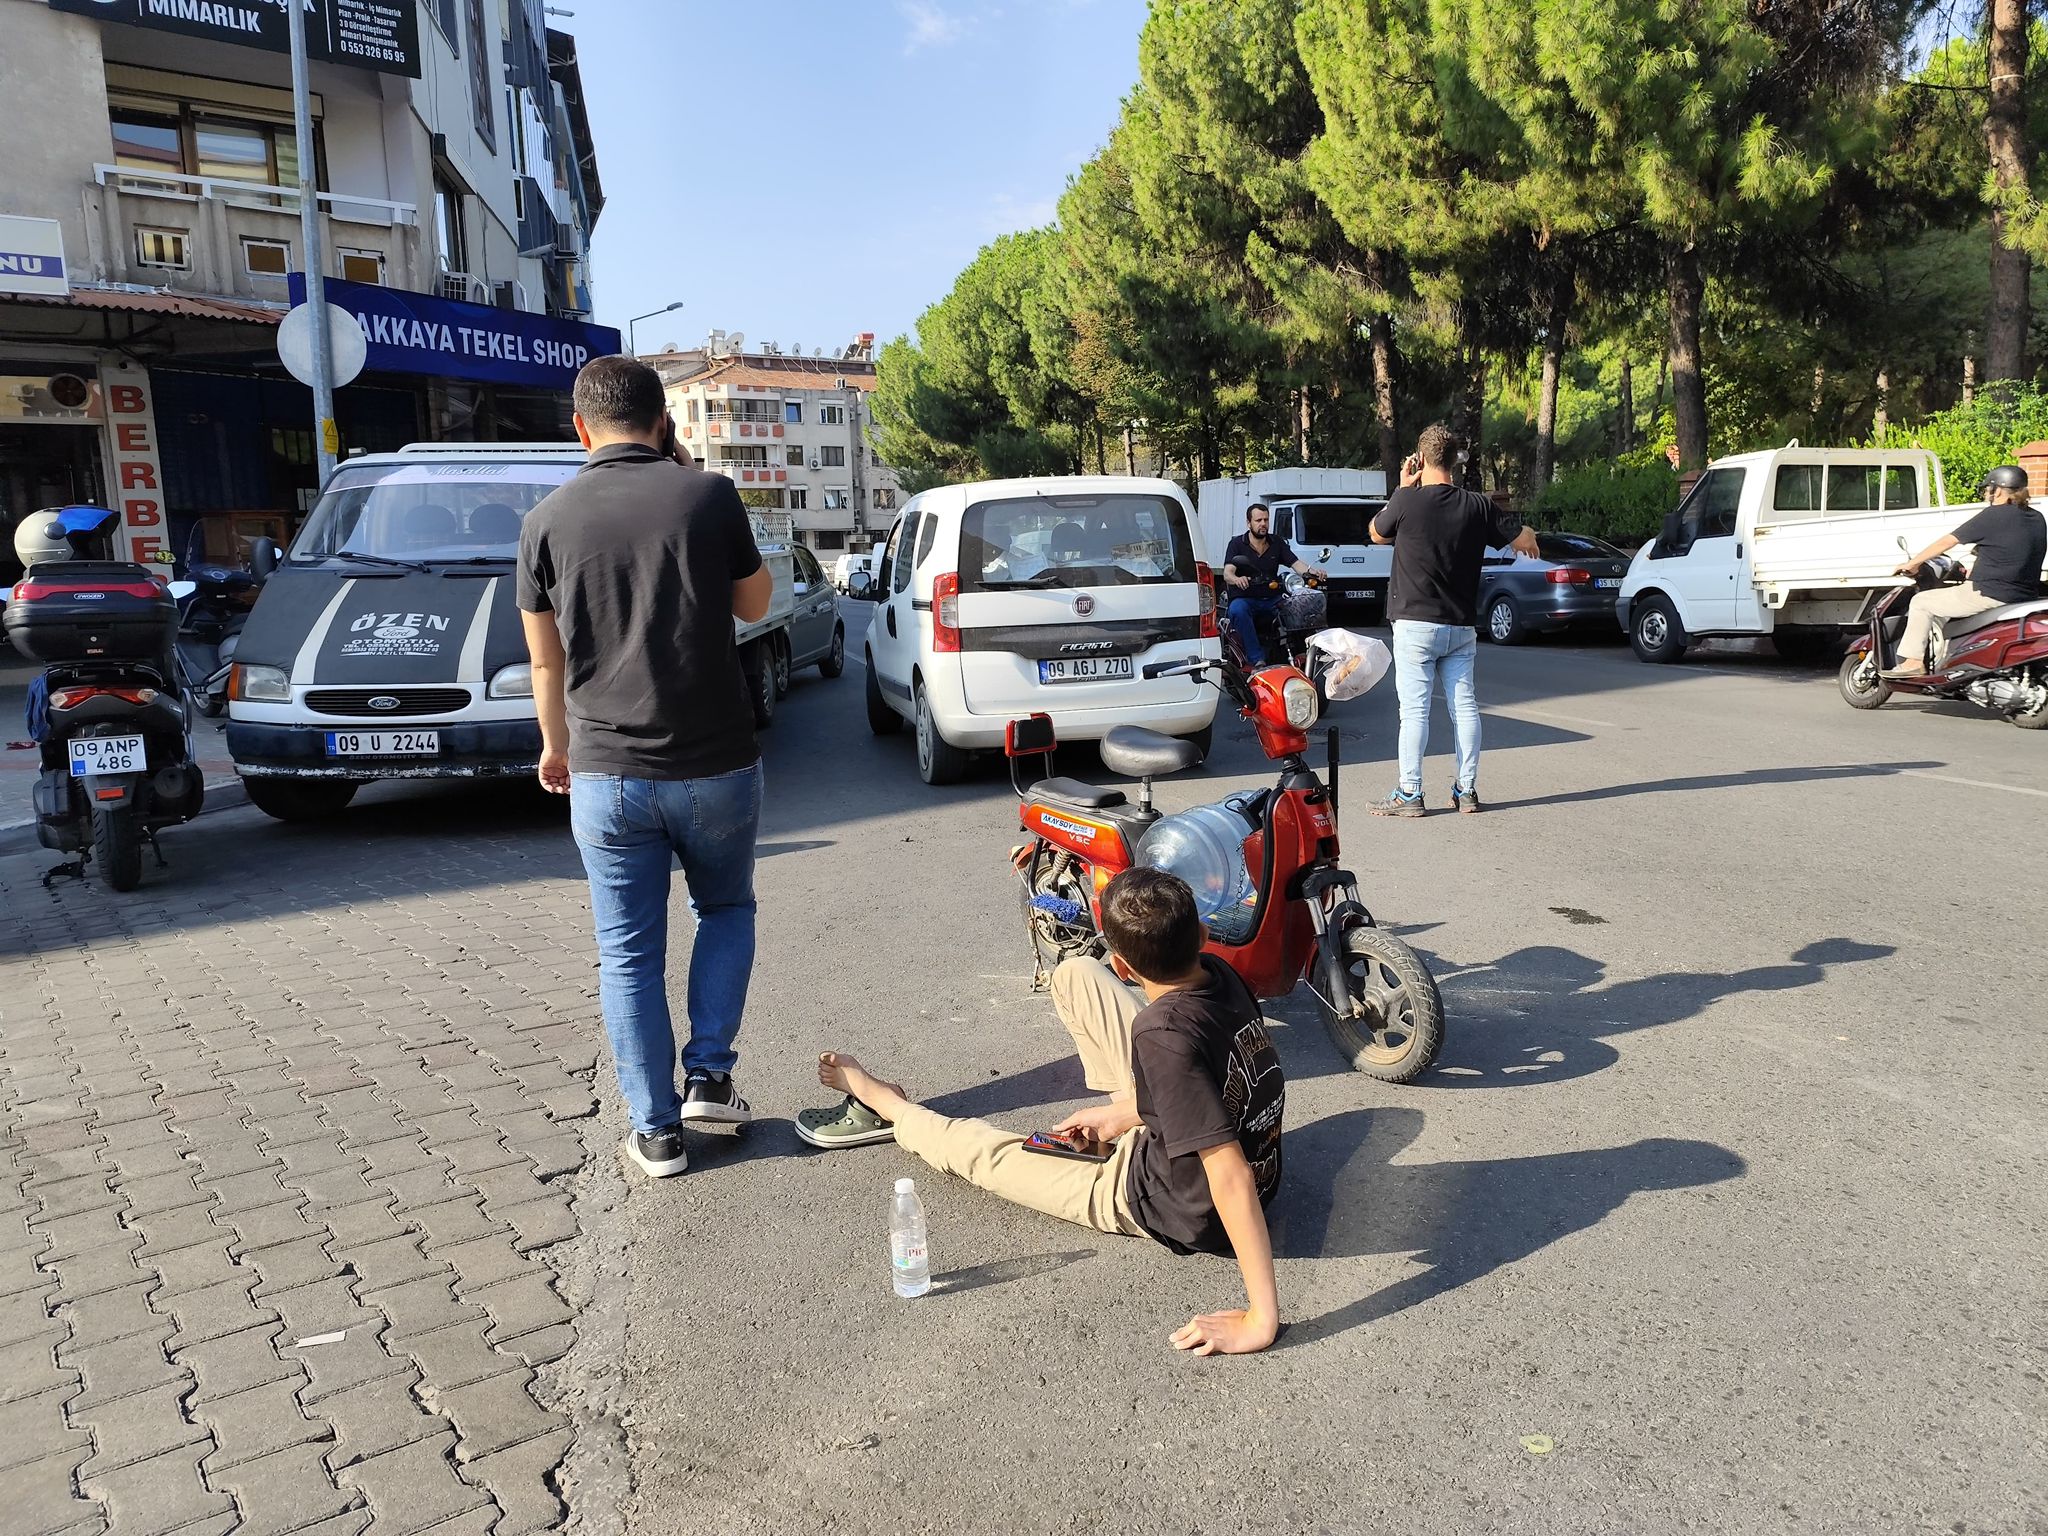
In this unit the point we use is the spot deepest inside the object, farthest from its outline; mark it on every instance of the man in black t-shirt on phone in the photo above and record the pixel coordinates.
(1440, 533)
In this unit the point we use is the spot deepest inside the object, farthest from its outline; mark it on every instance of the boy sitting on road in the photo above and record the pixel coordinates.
(1192, 1127)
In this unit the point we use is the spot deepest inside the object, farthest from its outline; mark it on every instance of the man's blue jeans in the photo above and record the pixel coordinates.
(1422, 654)
(630, 832)
(1245, 613)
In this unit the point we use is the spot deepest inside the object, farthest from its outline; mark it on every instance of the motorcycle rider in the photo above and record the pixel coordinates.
(1257, 556)
(2011, 540)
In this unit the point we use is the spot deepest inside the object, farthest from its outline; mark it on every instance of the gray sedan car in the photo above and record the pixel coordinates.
(1572, 585)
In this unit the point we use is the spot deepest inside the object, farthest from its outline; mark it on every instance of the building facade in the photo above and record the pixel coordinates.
(150, 244)
(791, 431)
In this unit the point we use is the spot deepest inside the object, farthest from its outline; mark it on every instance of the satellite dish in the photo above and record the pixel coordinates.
(733, 342)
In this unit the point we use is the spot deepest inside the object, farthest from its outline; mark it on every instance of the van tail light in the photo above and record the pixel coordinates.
(1205, 582)
(946, 611)
(1569, 576)
(71, 698)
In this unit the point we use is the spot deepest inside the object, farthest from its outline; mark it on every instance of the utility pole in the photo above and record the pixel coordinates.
(326, 439)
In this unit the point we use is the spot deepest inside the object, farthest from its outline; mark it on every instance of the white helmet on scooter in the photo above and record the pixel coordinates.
(39, 539)
(56, 534)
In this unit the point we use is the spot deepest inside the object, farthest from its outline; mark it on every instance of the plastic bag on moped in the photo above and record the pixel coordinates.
(1353, 662)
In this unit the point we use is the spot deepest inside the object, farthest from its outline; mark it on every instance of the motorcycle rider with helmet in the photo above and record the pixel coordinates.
(2011, 540)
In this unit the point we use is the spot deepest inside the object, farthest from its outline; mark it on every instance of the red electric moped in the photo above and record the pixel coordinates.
(1300, 914)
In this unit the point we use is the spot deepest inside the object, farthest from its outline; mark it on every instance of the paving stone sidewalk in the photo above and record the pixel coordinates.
(286, 1142)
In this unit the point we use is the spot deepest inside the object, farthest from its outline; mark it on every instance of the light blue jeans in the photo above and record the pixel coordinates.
(1422, 654)
(630, 833)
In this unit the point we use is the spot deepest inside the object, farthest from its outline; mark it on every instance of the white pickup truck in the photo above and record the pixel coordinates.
(1795, 543)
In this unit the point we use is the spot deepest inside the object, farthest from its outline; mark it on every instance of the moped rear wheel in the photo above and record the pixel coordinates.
(1388, 1019)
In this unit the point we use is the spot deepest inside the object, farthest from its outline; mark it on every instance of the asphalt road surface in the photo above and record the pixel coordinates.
(1724, 1211)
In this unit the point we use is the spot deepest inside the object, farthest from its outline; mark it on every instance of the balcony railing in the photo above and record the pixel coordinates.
(204, 234)
(254, 194)
(728, 429)
(748, 472)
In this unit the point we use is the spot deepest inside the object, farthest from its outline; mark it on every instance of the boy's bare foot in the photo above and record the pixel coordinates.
(845, 1074)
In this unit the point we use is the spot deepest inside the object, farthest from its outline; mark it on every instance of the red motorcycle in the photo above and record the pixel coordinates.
(1279, 906)
(1997, 658)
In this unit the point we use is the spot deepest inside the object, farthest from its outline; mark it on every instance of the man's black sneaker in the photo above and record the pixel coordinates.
(711, 1103)
(659, 1153)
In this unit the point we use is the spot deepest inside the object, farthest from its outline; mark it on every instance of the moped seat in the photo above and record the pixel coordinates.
(2000, 615)
(1074, 792)
(1143, 754)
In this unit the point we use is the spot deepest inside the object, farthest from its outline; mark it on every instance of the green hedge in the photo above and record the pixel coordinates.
(1972, 438)
(1622, 502)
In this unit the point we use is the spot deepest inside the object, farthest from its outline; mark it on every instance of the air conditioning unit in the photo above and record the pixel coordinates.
(509, 294)
(817, 464)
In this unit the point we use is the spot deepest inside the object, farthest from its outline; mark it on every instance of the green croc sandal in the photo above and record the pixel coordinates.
(848, 1123)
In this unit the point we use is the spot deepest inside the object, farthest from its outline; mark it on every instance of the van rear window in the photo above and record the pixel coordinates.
(1110, 540)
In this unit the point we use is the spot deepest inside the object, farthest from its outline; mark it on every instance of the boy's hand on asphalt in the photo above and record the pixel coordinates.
(1226, 1333)
(554, 771)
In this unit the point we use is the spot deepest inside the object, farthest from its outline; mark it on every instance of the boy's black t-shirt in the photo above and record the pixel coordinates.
(2012, 546)
(636, 558)
(1206, 1073)
(1441, 534)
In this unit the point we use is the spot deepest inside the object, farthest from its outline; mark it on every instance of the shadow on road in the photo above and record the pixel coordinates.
(1464, 1220)
(1751, 779)
(1024, 1267)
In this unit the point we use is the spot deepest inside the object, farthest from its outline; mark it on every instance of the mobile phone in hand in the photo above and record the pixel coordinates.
(1059, 1146)
(668, 435)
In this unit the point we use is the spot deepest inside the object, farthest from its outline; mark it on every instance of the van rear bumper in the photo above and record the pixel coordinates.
(979, 732)
(482, 750)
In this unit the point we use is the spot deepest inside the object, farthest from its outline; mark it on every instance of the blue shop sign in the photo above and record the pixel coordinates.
(420, 333)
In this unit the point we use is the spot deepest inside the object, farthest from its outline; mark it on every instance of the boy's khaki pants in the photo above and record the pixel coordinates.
(1097, 1010)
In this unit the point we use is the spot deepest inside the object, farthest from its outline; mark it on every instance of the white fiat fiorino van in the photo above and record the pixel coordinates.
(1004, 598)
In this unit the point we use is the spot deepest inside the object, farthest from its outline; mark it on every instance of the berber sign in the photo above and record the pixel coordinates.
(383, 35)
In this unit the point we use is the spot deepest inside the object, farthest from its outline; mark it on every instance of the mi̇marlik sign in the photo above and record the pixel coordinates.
(420, 333)
(383, 35)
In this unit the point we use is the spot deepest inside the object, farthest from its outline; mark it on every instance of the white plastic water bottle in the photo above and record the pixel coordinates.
(909, 1253)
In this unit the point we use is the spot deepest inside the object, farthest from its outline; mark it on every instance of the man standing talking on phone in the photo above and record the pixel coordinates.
(1440, 533)
(630, 577)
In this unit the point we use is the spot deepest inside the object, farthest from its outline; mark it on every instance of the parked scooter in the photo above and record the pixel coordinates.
(1263, 866)
(210, 626)
(113, 733)
(1997, 658)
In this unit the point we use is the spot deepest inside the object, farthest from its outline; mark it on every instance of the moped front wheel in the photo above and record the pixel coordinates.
(1863, 687)
(1382, 1009)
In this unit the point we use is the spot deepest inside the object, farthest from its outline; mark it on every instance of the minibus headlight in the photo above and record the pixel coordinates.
(259, 685)
(513, 682)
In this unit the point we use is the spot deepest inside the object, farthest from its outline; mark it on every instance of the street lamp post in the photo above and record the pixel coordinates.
(326, 443)
(632, 346)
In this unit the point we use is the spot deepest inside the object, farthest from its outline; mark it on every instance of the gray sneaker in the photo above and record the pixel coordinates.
(1467, 801)
(1398, 804)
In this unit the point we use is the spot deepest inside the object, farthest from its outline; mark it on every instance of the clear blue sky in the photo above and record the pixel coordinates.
(806, 170)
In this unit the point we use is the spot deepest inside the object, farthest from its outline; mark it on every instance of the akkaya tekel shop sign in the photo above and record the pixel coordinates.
(383, 35)
(419, 333)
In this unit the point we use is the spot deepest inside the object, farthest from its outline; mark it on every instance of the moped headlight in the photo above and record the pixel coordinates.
(260, 685)
(1299, 695)
(513, 682)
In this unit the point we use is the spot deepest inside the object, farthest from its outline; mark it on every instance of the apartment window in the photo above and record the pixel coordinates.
(363, 266)
(793, 413)
(143, 142)
(448, 232)
(832, 415)
(162, 248)
(192, 141)
(266, 258)
(481, 91)
(837, 498)
(835, 458)
(885, 500)
(799, 498)
(443, 12)
(830, 539)
(691, 409)
(796, 455)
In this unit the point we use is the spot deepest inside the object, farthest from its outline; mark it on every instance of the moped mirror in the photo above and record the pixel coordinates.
(264, 557)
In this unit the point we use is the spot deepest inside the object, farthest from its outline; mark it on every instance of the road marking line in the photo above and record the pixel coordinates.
(1949, 778)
